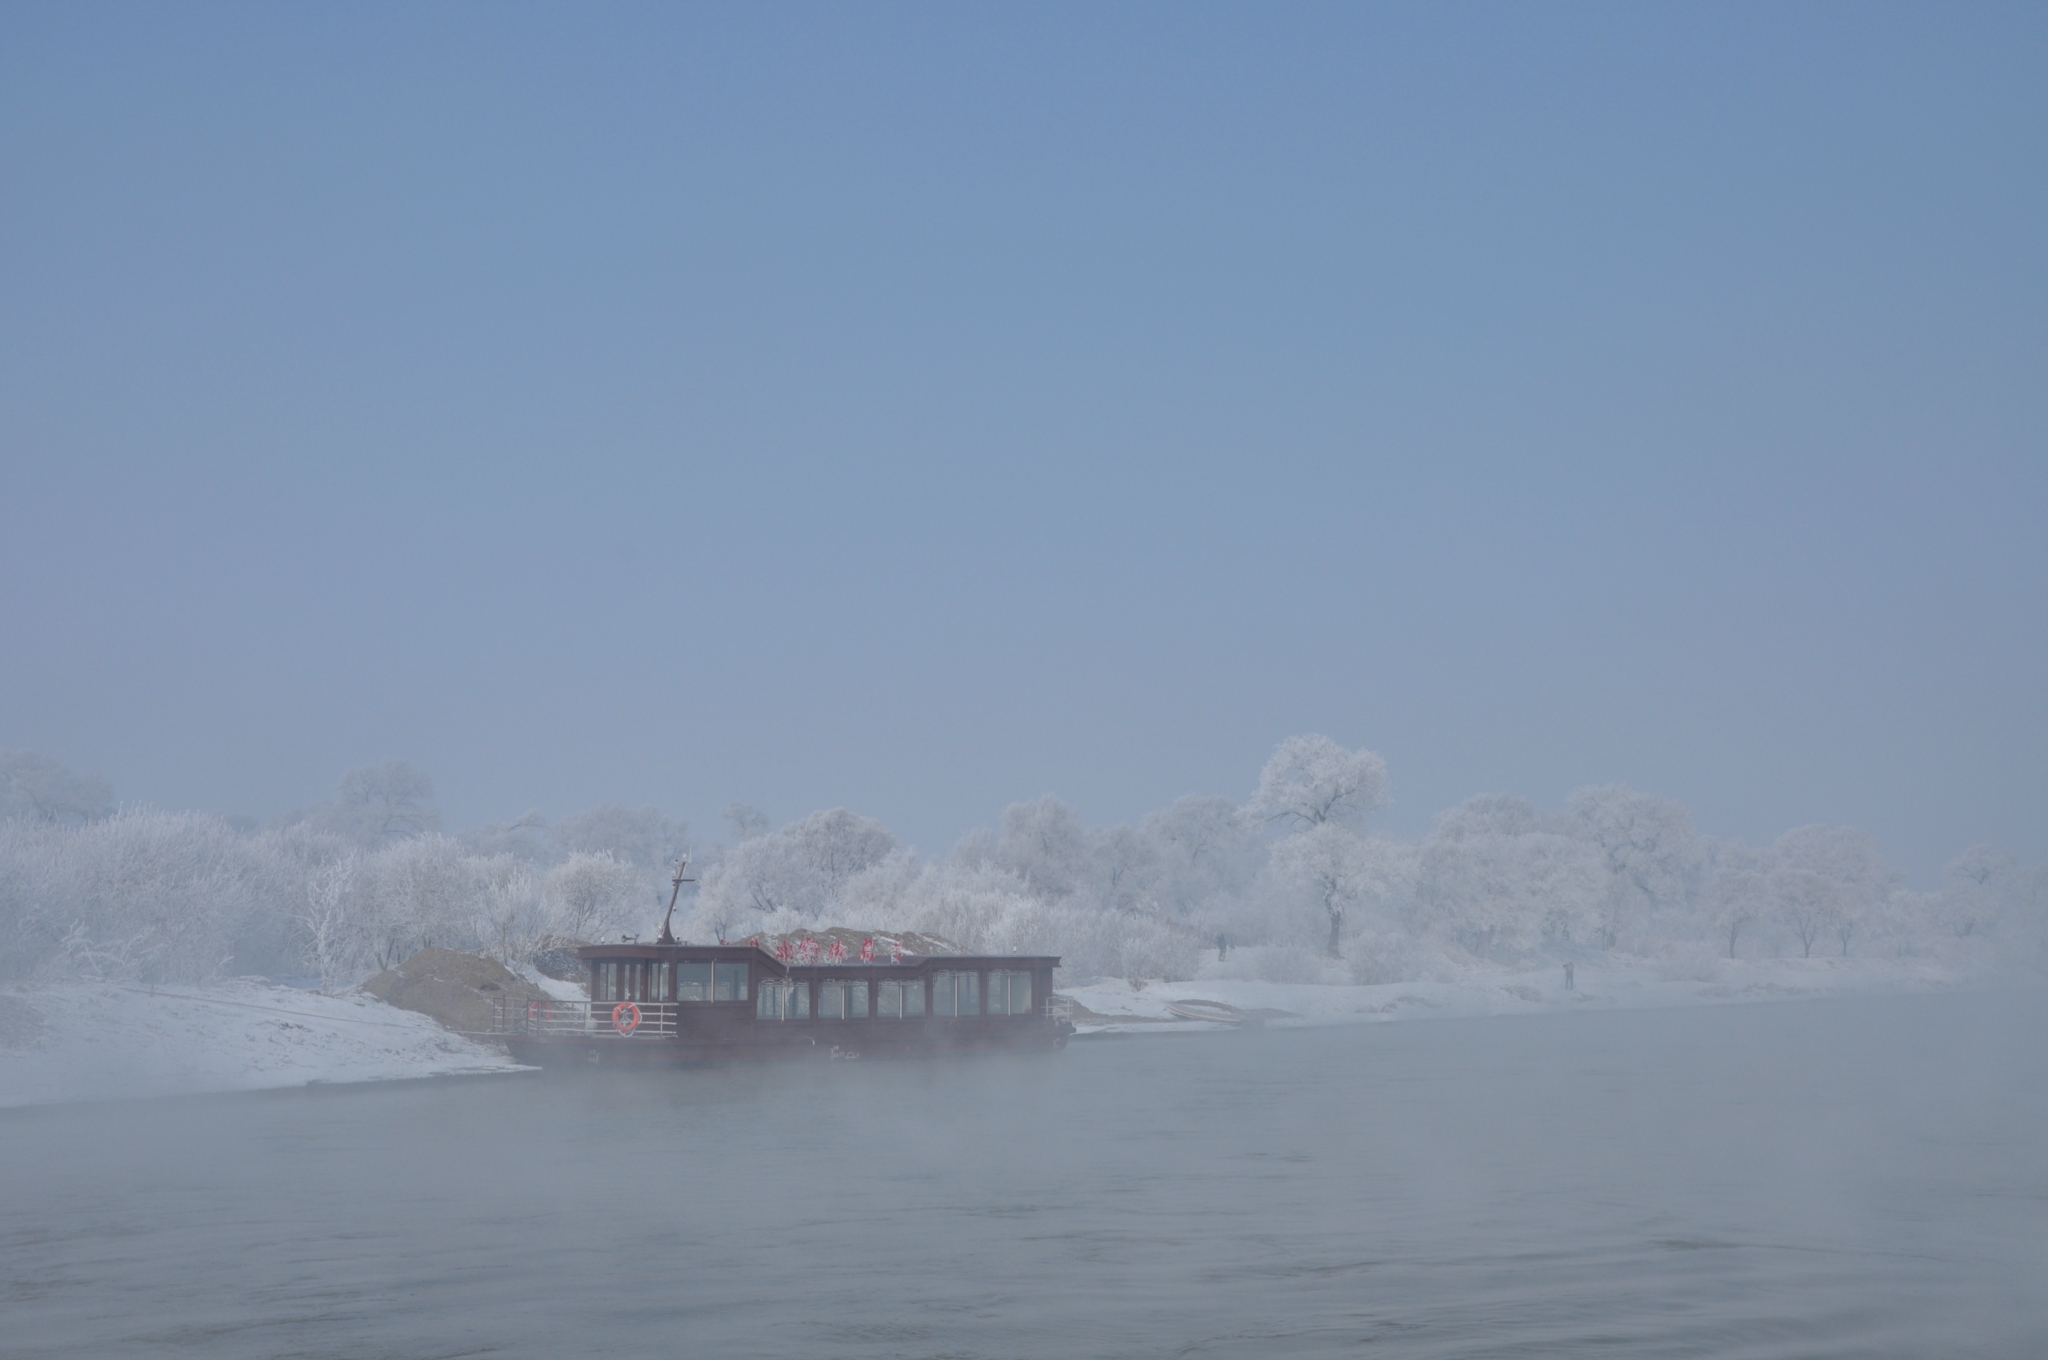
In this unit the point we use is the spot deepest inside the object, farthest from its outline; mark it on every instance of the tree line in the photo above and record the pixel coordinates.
(1293, 883)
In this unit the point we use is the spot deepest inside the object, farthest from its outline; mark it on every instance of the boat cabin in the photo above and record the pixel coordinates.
(681, 1002)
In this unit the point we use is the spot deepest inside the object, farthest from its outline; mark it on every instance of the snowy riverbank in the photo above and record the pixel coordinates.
(96, 1041)
(1116, 1006)
(92, 1041)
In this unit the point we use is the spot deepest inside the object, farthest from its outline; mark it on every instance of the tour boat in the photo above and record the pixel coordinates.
(670, 1002)
(673, 1003)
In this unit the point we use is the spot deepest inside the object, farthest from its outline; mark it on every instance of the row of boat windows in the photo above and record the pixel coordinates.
(632, 981)
(1009, 993)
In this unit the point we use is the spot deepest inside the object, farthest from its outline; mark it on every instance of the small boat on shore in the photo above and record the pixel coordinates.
(671, 1004)
(680, 1004)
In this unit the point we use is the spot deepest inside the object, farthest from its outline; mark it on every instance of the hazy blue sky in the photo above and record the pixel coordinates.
(923, 408)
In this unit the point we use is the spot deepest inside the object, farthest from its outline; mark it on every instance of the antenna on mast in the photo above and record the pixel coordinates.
(668, 936)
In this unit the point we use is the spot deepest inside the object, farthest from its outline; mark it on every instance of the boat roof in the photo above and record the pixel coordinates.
(745, 953)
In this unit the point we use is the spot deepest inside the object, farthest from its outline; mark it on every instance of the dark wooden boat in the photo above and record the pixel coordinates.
(670, 1003)
(662, 1004)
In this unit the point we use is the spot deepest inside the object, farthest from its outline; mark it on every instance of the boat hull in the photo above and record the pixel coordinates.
(894, 1039)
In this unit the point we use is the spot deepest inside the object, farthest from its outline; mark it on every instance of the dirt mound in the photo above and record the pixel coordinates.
(459, 990)
(558, 960)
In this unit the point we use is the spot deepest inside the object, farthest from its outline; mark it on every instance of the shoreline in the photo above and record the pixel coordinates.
(1113, 1006)
(77, 1042)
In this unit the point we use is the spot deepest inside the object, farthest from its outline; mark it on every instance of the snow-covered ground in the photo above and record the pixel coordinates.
(1117, 1006)
(93, 1041)
(89, 1041)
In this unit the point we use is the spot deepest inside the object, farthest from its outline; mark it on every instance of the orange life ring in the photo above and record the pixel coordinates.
(625, 1017)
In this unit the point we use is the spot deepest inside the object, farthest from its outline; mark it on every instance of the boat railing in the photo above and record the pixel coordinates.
(1057, 1008)
(592, 1019)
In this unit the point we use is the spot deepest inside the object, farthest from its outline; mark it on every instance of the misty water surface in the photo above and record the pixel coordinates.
(1847, 1178)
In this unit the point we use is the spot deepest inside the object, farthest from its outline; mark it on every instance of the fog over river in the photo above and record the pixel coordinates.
(1864, 1177)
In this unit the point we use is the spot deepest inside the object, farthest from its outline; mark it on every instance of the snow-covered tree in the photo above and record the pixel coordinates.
(1491, 814)
(1859, 887)
(525, 838)
(1210, 854)
(746, 821)
(1976, 889)
(644, 838)
(1126, 866)
(1650, 848)
(1739, 896)
(1045, 844)
(1340, 869)
(36, 788)
(590, 895)
(421, 891)
(142, 895)
(1311, 780)
(797, 870)
(1807, 902)
(328, 921)
(1492, 892)
(378, 803)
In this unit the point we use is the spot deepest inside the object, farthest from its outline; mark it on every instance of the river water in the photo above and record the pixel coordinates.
(1798, 1179)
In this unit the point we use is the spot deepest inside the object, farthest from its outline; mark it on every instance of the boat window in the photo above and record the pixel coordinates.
(1009, 993)
(660, 991)
(839, 999)
(956, 994)
(899, 1000)
(693, 982)
(732, 982)
(607, 981)
(783, 1001)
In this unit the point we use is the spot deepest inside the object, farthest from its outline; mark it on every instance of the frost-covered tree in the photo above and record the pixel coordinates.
(1126, 866)
(329, 921)
(746, 821)
(141, 896)
(1860, 886)
(1737, 891)
(1976, 888)
(378, 803)
(1210, 854)
(1493, 892)
(644, 838)
(421, 890)
(590, 895)
(1807, 902)
(1045, 844)
(1311, 780)
(838, 843)
(1491, 814)
(508, 912)
(36, 788)
(797, 870)
(1340, 869)
(1650, 847)
(525, 838)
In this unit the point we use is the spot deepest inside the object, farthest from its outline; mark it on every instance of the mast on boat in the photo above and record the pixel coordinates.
(668, 936)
